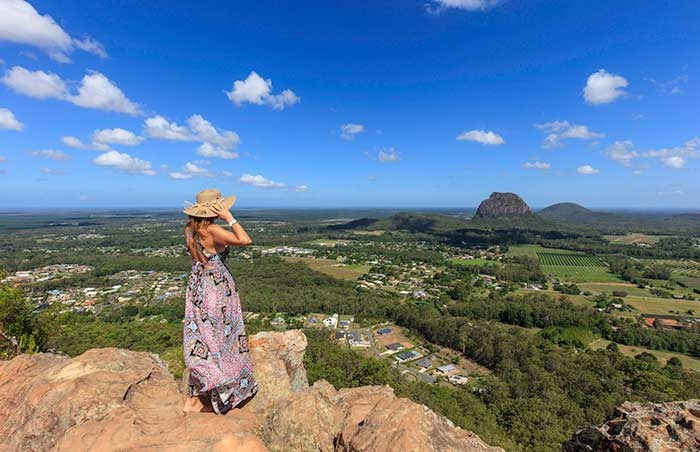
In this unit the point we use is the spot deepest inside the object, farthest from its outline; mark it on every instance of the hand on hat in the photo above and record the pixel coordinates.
(221, 211)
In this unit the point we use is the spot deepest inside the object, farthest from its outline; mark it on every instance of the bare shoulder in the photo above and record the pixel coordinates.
(216, 230)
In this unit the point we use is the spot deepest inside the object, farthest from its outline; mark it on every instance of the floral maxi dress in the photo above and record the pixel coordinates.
(215, 344)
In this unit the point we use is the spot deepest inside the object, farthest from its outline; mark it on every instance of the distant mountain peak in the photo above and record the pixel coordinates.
(502, 205)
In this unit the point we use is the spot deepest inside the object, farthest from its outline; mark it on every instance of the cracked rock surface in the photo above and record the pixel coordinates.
(112, 400)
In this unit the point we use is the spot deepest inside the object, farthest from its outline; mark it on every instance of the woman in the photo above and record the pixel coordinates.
(215, 343)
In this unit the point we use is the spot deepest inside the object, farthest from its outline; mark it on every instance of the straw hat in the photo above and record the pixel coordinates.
(205, 201)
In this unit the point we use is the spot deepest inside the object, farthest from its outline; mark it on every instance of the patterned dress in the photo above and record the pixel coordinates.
(215, 343)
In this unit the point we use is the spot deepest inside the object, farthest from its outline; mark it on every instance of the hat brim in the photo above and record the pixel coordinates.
(205, 211)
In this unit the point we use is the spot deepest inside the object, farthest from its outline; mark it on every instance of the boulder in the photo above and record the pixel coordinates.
(657, 427)
(111, 399)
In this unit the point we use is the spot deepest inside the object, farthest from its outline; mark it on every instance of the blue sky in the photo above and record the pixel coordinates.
(365, 103)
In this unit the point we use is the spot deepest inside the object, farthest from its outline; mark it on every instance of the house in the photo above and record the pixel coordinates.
(340, 336)
(384, 331)
(395, 346)
(277, 321)
(406, 356)
(332, 321)
(457, 379)
(356, 339)
(425, 378)
(344, 324)
(446, 369)
(424, 363)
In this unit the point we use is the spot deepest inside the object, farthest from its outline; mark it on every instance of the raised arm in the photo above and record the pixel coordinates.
(236, 236)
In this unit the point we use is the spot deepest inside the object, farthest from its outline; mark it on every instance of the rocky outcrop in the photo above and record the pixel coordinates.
(658, 427)
(112, 399)
(501, 205)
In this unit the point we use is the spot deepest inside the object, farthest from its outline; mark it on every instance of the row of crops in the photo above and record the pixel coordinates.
(569, 260)
(682, 266)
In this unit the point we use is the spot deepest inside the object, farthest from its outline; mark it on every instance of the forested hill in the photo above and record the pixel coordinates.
(576, 216)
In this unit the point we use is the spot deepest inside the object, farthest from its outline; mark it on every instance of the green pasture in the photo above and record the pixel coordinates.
(662, 356)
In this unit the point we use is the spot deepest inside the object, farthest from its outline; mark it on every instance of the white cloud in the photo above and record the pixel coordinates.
(537, 165)
(675, 161)
(623, 152)
(671, 86)
(91, 46)
(388, 155)
(603, 87)
(125, 163)
(3, 158)
(74, 142)
(51, 154)
(256, 90)
(263, 182)
(215, 142)
(482, 136)
(95, 90)
(348, 131)
(22, 24)
(53, 171)
(587, 169)
(558, 131)
(438, 6)
(675, 157)
(8, 120)
(180, 176)
(116, 136)
(160, 128)
(38, 84)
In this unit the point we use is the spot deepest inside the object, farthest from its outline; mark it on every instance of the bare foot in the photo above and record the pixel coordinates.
(196, 405)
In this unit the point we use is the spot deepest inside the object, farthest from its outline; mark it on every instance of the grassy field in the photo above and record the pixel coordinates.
(331, 267)
(651, 305)
(693, 283)
(608, 288)
(635, 238)
(662, 356)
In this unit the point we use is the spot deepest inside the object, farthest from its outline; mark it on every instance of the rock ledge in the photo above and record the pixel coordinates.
(111, 399)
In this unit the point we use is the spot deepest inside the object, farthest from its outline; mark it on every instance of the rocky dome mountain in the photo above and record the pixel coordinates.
(502, 205)
(112, 399)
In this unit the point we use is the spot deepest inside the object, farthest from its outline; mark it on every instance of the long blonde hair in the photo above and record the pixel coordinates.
(194, 226)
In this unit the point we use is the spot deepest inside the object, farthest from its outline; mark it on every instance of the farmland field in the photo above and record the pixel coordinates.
(575, 267)
(332, 268)
(684, 267)
(635, 238)
(532, 250)
(662, 356)
(471, 262)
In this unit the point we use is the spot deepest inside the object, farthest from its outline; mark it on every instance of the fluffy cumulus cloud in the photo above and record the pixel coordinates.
(481, 136)
(51, 154)
(116, 136)
(8, 120)
(125, 163)
(537, 165)
(261, 181)
(257, 90)
(214, 142)
(74, 142)
(587, 170)
(348, 131)
(603, 87)
(190, 170)
(624, 153)
(388, 155)
(438, 6)
(558, 131)
(37, 84)
(94, 91)
(21, 23)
